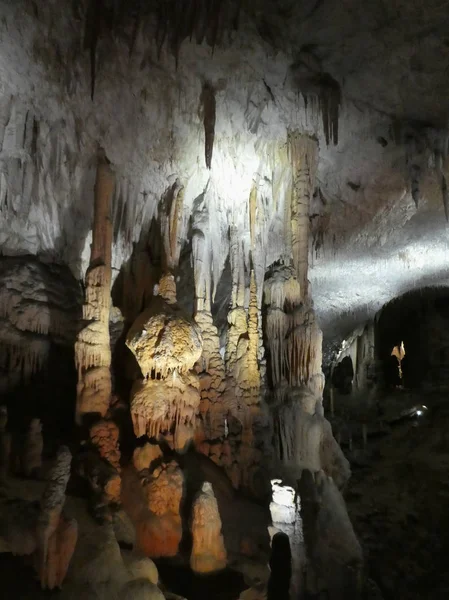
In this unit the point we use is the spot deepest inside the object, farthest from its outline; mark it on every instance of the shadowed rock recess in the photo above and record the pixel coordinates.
(224, 299)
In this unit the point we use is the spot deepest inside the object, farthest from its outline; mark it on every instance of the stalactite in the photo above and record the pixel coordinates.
(445, 195)
(171, 224)
(252, 215)
(209, 109)
(170, 22)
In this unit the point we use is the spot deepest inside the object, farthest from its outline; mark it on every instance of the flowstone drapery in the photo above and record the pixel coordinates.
(166, 345)
(293, 337)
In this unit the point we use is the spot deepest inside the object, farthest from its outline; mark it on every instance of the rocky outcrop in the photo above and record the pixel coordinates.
(208, 550)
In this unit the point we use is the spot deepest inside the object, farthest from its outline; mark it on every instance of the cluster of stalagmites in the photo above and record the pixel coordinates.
(159, 524)
(42, 530)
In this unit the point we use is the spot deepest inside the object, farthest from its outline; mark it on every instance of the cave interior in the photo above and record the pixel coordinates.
(224, 299)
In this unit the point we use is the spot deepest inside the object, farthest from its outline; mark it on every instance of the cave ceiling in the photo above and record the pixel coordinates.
(378, 217)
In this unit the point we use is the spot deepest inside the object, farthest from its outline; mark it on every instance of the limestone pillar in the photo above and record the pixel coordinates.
(92, 348)
(303, 151)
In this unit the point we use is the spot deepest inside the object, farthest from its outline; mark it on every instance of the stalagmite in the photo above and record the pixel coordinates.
(242, 393)
(145, 455)
(41, 530)
(104, 435)
(208, 549)
(92, 349)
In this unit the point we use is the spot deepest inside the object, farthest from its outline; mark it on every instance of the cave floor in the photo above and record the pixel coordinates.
(398, 501)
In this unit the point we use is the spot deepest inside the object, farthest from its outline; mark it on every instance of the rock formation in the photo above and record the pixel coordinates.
(39, 308)
(92, 349)
(208, 550)
(93, 346)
